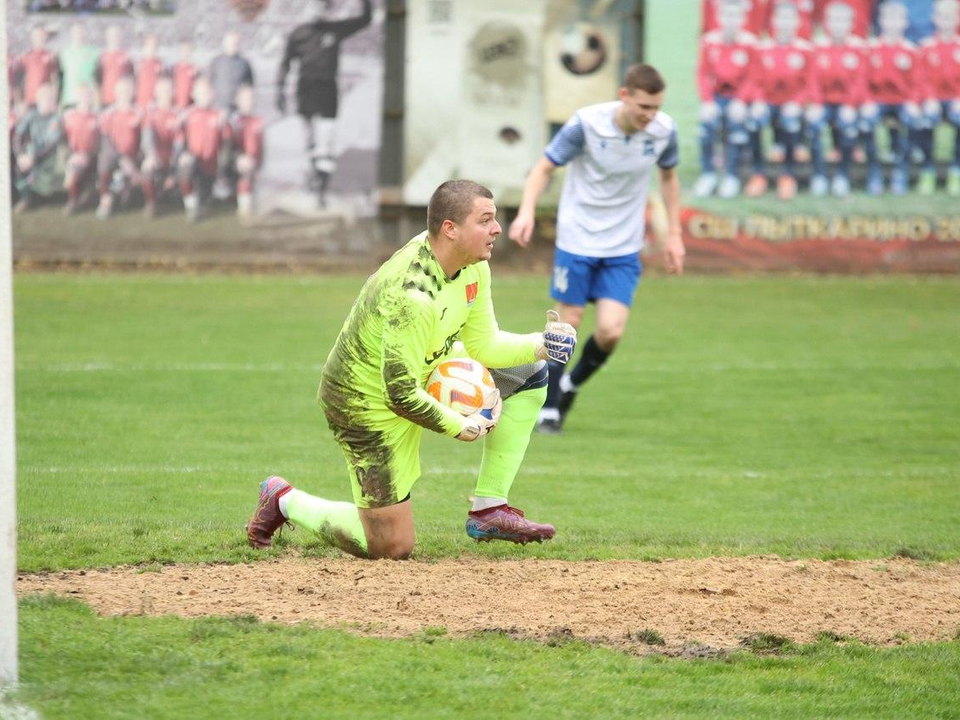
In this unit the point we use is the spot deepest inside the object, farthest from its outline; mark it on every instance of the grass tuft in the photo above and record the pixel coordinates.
(767, 643)
(431, 633)
(829, 636)
(647, 636)
(49, 601)
(913, 553)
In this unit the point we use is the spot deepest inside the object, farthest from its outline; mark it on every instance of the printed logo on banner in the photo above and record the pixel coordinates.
(249, 10)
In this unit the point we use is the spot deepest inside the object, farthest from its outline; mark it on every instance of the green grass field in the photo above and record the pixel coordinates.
(803, 416)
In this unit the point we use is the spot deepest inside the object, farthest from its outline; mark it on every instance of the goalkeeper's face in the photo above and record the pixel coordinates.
(479, 230)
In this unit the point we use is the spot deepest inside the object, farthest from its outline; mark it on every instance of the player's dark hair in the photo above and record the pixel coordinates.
(453, 200)
(644, 77)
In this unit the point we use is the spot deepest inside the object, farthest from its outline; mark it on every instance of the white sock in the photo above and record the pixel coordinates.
(245, 203)
(484, 503)
(549, 414)
(282, 502)
(566, 384)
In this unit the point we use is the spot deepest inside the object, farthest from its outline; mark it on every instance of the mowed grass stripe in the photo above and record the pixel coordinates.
(803, 416)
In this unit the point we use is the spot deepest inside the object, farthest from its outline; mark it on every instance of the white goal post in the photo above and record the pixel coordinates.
(8, 458)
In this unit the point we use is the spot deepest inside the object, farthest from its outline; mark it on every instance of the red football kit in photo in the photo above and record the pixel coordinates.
(895, 75)
(941, 68)
(82, 130)
(184, 74)
(726, 69)
(164, 128)
(248, 140)
(841, 72)
(248, 136)
(148, 72)
(203, 133)
(783, 73)
(114, 64)
(122, 128)
(38, 67)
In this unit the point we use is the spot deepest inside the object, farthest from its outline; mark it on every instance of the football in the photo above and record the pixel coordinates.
(463, 385)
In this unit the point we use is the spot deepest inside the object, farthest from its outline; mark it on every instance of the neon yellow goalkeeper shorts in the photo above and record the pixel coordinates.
(383, 459)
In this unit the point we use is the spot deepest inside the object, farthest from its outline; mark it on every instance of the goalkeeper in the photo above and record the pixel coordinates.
(411, 315)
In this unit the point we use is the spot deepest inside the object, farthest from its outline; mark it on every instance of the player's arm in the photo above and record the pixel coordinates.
(566, 145)
(521, 229)
(346, 28)
(407, 321)
(670, 190)
(486, 342)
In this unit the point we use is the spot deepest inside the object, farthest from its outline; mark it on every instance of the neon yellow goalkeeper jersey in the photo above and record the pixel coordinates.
(405, 321)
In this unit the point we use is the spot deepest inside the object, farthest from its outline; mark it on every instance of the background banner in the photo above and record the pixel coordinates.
(143, 113)
(815, 135)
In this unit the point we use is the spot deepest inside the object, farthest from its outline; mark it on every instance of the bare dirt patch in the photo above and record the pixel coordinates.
(690, 604)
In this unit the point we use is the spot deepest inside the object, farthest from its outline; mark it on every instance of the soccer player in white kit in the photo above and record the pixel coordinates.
(612, 149)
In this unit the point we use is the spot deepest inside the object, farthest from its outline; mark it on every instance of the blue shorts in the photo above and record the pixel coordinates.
(579, 279)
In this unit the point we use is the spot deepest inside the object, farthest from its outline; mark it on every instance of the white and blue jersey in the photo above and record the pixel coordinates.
(604, 196)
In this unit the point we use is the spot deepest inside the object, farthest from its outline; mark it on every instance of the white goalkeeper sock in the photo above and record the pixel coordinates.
(566, 384)
(484, 503)
(282, 503)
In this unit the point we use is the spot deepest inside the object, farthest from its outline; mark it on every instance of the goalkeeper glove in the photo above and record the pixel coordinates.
(559, 340)
(481, 423)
